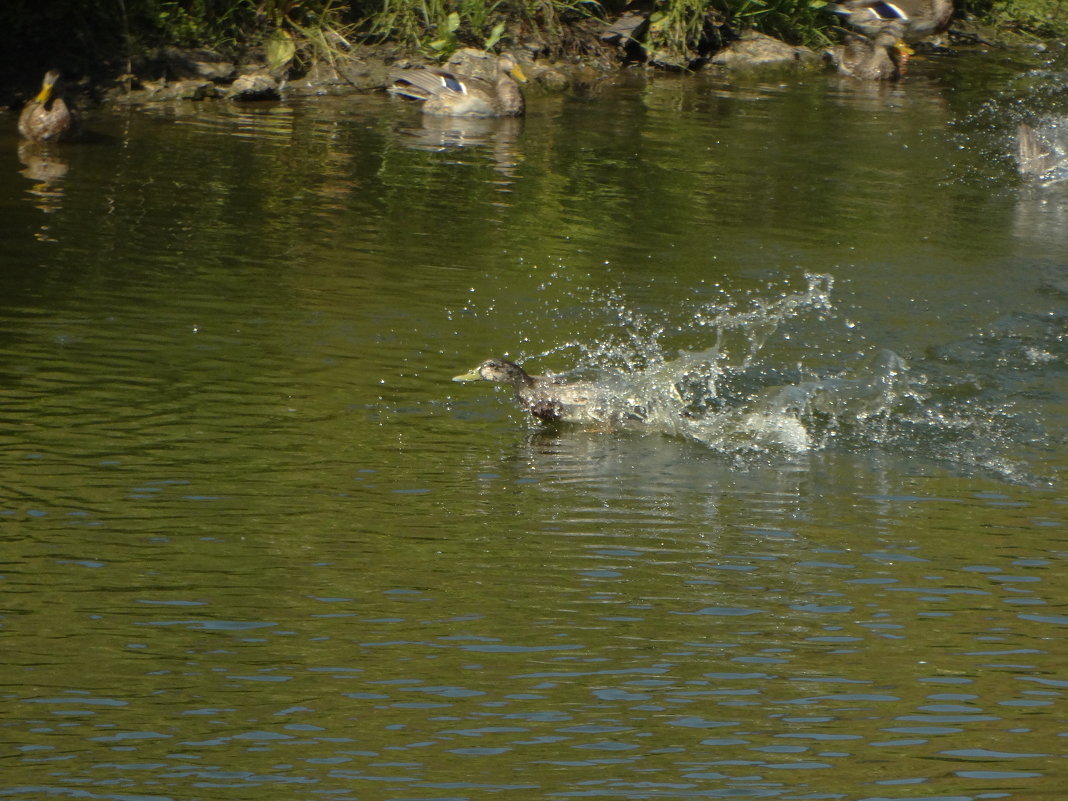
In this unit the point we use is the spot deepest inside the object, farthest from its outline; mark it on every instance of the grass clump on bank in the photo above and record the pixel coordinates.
(1046, 19)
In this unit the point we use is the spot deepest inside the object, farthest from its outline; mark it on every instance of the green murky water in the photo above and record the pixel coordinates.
(256, 544)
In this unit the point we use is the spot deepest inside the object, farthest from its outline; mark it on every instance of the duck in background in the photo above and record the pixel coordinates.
(48, 118)
(881, 57)
(916, 18)
(451, 94)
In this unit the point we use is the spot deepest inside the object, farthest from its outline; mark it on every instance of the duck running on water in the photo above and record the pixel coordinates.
(546, 398)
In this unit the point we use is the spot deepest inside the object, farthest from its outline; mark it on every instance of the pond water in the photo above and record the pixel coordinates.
(257, 544)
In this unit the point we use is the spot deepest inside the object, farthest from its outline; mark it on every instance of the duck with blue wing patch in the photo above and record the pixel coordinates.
(916, 18)
(451, 94)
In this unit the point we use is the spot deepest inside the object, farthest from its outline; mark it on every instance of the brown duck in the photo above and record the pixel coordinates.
(450, 94)
(546, 399)
(48, 118)
(879, 58)
(917, 18)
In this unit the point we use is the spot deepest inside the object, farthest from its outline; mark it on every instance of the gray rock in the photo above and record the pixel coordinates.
(182, 64)
(754, 49)
(343, 76)
(162, 92)
(554, 79)
(254, 86)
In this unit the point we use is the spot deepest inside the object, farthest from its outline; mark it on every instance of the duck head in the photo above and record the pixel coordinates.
(499, 371)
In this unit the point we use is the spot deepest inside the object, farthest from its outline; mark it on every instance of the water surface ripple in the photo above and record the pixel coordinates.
(256, 542)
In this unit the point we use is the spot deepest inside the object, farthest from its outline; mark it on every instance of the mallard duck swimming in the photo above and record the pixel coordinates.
(47, 118)
(546, 399)
(879, 58)
(918, 18)
(448, 94)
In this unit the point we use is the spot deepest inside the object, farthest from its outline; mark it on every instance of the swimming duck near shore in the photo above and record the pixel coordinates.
(547, 400)
(48, 118)
(881, 57)
(450, 94)
(916, 18)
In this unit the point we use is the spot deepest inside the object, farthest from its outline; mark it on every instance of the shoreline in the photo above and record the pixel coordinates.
(199, 73)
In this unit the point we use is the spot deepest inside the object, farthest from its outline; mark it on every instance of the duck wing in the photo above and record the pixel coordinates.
(433, 82)
(447, 93)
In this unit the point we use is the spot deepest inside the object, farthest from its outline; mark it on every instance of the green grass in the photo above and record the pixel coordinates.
(1041, 18)
(97, 38)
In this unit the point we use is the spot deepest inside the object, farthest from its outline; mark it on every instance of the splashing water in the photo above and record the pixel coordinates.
(1042, 151)
(779, 375)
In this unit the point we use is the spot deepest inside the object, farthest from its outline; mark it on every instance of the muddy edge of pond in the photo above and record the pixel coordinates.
(172, 73)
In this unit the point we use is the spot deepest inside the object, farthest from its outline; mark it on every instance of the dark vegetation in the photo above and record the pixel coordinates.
(98, 39)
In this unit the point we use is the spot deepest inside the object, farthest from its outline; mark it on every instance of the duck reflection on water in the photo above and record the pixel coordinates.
(498, 136)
